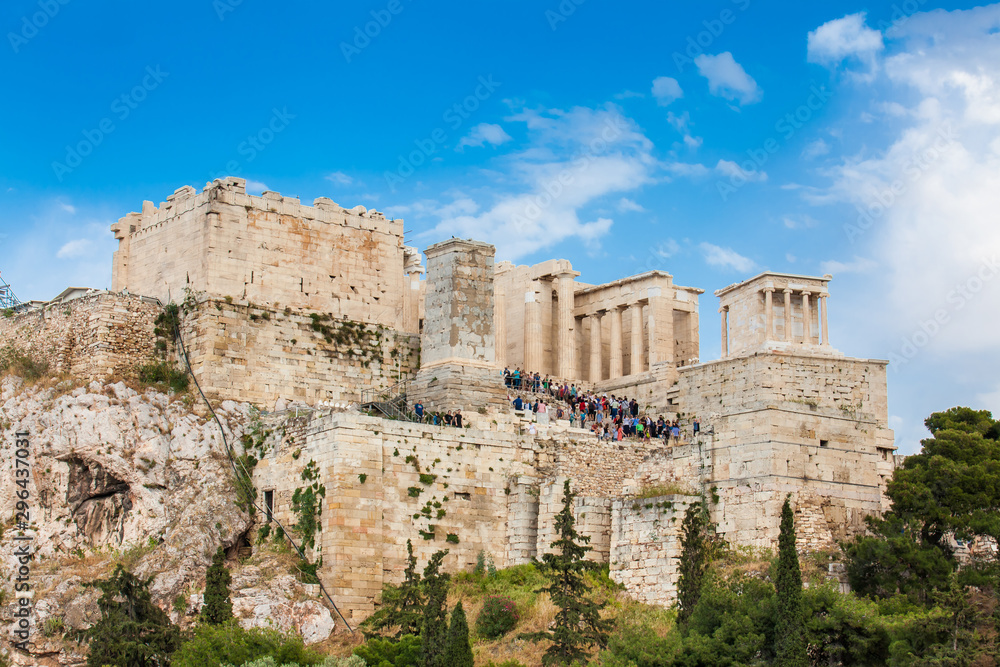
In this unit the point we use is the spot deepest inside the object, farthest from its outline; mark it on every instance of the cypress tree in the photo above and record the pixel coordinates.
(434, 633)
(402, 606)
(459, 651)
(132, 631)
(694, 560)
(218, 607)
(789, 642)
(578, 623)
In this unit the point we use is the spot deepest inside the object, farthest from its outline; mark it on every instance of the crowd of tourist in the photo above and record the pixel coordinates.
(436, 418)
(608, 417)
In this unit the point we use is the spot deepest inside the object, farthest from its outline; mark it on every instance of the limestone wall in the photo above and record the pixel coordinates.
(854, 388)
(369, 511)
(646, 546)
(95, 336)
(249, 352)
(271, 250)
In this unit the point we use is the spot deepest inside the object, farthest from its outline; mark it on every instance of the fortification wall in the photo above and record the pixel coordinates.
(854, 388)
(249, 352)
(646, 546)
(271, 250)
(775, 424)
(498, 491)
(93, 337)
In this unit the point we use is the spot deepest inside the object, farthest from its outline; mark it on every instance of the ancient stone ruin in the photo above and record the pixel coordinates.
(310, 312)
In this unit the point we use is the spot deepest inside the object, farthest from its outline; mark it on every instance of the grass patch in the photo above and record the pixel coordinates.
(163, 375)
(22, 364)
(668, 489)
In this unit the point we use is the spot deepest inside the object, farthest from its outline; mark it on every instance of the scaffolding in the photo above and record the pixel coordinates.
(8, 300)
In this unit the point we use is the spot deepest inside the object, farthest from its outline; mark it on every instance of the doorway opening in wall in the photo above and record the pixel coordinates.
(824, 443)
(269, 504)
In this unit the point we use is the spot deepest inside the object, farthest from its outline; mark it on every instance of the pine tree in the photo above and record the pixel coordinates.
(132, 631)
(218, 607)
(578, 624)
(459, 651)
(694, 559)
(402, 606)
(789, 641)
(434, 633)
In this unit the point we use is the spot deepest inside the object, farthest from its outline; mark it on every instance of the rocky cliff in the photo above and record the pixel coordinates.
(140, 478)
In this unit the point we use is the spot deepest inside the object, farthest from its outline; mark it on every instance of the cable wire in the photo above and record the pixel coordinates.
(251, 492)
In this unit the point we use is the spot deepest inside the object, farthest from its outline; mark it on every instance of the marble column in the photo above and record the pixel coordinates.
(768, 314)
(615, 370)
(500, 325)
(806, 320)
(637, 366)
(595, 347)
(566, 325)
(532, 329)
(724, 317)
(788, 315)
(660, 327)
(822, 311)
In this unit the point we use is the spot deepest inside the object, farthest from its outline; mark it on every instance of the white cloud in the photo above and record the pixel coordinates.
(800, 221)
(856, 265)
(990, 400)
(925, 205)
(790, 258)
(256, 187)
(726, 258)
(339, 178)
(535, 198)
(815, 149)
(75, 249)
(626, 204)
(482, 134)
(727, 78)
(731, 169)
(846, 38)
(69, 208)
(692, 142)
(667, 249)
(666, 90)
(628, 94)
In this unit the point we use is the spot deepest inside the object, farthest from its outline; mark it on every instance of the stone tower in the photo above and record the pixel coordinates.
(458, 367)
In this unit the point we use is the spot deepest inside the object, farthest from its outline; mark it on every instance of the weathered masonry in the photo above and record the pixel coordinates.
(316, 304)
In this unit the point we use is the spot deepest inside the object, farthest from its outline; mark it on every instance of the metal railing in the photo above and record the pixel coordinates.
(7, 297)
(390, 402)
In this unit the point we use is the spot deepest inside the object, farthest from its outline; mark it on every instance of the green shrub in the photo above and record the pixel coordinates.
(216, 645)
(330, 661)
(162, 374)
(497, 618)
(388, 653)
(22, 364)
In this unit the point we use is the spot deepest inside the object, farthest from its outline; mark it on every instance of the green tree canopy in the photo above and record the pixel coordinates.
(402, 606)
(132, 631)
(459, 651)
(789, 640)
(218, 607)
(578, 623)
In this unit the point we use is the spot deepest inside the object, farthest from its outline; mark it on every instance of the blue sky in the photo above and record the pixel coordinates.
(712, 140)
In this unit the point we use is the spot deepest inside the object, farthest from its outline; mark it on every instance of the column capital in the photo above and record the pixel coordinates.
(806, 292)
(787, 290)
(823, 295)
(767, 289)
(724, 309)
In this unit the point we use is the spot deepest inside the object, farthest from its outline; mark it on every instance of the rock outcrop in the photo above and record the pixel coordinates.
(118, 475)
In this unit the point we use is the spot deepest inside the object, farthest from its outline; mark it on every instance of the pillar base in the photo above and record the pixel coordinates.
(454, 385)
